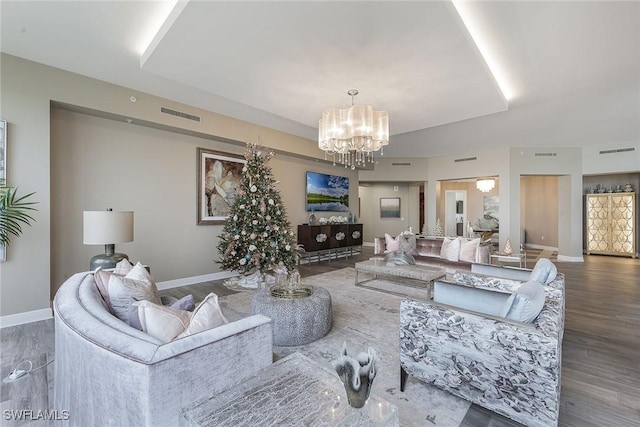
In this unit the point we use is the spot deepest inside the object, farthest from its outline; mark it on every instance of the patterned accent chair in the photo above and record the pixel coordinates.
(509, 367)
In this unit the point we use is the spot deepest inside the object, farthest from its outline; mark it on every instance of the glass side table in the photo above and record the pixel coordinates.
(520, 258)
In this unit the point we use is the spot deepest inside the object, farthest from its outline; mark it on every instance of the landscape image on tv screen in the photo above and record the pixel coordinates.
(327, 192)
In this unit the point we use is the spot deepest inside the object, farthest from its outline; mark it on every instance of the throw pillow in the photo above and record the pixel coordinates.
(407, 243)
(544, 271)
(163, 323)
(450, 249)
(123, 267)
(138, 272)
(553, 273)
(135, 285)
(526, 302)
(393, 245)
(186, 303)
(102, 282)
(207, 315)
(399, 258)
(469, 249)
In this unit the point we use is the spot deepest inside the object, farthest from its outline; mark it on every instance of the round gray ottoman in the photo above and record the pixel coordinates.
(296, 321)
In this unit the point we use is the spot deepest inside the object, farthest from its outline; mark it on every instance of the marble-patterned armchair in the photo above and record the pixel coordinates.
(509, 367)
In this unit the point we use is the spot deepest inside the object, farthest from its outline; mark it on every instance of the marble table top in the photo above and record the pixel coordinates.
(294, 391)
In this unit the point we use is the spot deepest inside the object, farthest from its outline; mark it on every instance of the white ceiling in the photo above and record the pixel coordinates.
(572, 68)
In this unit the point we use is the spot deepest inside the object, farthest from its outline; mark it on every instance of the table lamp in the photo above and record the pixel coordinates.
(107, 228)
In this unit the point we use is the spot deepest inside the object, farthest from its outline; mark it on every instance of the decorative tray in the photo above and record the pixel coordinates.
(284, 292)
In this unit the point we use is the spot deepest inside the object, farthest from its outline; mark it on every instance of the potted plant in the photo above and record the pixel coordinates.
(14, 212)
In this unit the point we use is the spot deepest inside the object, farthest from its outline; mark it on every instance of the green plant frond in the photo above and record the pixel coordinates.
(13, 212)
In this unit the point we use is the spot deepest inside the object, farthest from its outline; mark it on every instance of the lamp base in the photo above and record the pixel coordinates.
(106, 261)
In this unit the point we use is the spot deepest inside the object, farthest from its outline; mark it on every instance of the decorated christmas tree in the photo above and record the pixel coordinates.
(257, 235)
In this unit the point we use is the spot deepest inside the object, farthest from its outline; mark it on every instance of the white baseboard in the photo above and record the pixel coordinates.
(368, 244)
(26, 317)
(47, 313)
(532, 246)
(565, 258)
(176, 283)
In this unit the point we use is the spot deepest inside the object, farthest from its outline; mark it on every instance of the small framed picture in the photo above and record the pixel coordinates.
(390, 207)
(219, 177)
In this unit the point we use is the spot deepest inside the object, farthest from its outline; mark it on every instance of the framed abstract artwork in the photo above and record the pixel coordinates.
(219, 177)
(390, 207)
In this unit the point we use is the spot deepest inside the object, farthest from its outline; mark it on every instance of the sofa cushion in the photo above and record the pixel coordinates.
(481, 300)
(207, 315)
(393, 245)
(167, 323)
(186, 303)
(136, 285)
(469, 249)
(407, 244)
(102, 283)
(450, 249)
(544, 271)
(163, 323)
(123, 267)
(525, 303)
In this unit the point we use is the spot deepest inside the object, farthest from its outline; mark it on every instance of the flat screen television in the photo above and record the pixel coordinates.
(327, 192)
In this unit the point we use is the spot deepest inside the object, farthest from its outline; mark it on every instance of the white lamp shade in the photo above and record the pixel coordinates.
(107, 227)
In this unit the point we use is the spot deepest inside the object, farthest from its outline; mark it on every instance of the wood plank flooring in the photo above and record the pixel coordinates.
(600, 360)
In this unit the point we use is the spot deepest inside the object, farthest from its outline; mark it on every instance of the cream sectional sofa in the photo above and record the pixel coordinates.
(428, 250)
(107, 373)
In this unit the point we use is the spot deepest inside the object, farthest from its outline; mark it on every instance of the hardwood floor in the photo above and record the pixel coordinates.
(600, 360)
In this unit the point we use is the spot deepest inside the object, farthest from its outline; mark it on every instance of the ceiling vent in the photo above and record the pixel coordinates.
(400, 164)
(179, 114)
(617, 150)
(546, 154)
(466, 159)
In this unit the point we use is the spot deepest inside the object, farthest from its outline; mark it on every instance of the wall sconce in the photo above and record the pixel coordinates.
(107, 228)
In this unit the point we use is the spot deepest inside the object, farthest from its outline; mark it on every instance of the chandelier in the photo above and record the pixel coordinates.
(353, 134)
(485, 184)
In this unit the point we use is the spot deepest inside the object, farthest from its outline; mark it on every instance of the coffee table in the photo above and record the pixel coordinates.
(294, 391)
(380, 267)
(297, 319)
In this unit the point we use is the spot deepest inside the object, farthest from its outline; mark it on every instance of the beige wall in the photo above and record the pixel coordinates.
(474, 208)
(396, 170)
(539, 195)
(28, 89)
(566, 164)
(98, 163)
(374, 226)
(507, 166)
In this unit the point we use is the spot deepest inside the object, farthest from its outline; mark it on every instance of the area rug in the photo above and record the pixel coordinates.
(369, 318)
